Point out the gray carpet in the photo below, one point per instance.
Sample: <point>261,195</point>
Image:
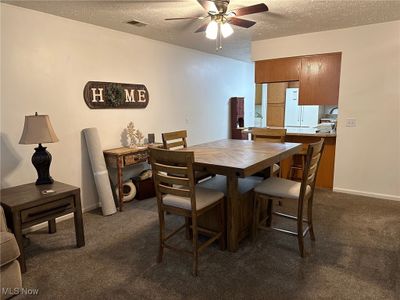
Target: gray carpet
<point>356,256</point>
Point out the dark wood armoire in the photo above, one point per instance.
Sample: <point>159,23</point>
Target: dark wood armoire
<point>237,118</point>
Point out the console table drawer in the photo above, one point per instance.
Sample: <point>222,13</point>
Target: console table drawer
<point>48,209</point>
<point>135,158</point>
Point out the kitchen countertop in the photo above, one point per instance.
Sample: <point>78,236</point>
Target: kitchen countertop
<point>299,131</point>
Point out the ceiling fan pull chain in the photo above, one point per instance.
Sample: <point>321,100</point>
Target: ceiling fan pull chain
<point>219,42</point>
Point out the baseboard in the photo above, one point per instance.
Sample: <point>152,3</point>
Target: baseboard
<point>91,207</point>
<point>367,194</point>
<point>59,219</point>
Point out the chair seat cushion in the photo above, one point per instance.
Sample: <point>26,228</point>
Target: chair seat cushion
<point>280,187</point>
<point>9,248</point>
<point>204,198</point>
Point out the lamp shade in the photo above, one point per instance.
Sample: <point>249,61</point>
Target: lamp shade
<point>226,30</point>
<point>212,30</point>
<point>38,130</point>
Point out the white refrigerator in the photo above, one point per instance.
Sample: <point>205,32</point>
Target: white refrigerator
<point>299,115</point>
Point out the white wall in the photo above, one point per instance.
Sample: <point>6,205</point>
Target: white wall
<point>46,62</point>
<point>368,156</point>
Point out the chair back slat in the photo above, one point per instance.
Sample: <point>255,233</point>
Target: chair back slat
<point>174,191</point>
<point>273,135</point>
<point>176,145</point>
<point>170,169</point>
<point>313,158</point>
<point>173,179</point>
<point>171,158</point>
<point>173,174</point>
<point>311,174</point>
<point>175,140</point>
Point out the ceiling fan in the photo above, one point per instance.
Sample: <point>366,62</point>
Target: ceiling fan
<point>221,18</point>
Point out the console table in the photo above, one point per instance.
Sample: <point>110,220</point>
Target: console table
<point>27,205</point>
<point>123,156</point>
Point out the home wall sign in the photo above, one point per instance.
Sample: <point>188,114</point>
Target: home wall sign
<point>98,95</point>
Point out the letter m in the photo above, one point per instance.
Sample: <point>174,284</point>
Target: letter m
<point>129,96</point>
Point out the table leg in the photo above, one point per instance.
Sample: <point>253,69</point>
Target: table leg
<point>17,229</point>
<point>52,226</point>
<point>233,216</point>
<point>120,183</point>
<point>78,220</point>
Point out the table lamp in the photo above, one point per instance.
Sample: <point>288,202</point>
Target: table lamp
<point>38,130</point>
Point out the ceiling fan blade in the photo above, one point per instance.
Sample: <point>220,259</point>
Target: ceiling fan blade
<point>187,18</point>
<point>202,28</point>
<point>208,5</point>
<point>241,22</point>
<point>248,10</point>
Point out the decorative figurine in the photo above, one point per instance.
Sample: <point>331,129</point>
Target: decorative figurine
<point>131,132</point>
<point>139,136</point>
<point>135,135</point>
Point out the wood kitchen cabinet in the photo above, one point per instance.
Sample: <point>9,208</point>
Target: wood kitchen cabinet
<point>276,95</point>
<point>277,70</point>
<point>259,95</point>
<point>276,92</point>
<point>276,115</point>
<point>318,76</point>
<point>319,79</point>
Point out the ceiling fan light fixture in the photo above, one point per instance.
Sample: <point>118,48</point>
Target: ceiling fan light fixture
<point>226,30</point>
<point>212,30</point>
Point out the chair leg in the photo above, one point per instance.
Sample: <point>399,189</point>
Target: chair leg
<point>269,213</point>
<point>162,228</point>
<point>256,217</point>
<point>300,241</point>
<point>291,173</point>
<point>309,218</point>
<point>222,239</point>
<point>188,232</point>
<point>195,247</point>
<point>300,238</point>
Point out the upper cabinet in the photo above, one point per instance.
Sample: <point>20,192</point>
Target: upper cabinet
<point>318,76</point>
<point>278,70</point>
<point>319,79</point>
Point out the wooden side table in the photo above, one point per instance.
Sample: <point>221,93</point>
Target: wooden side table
<point>123,156</point>
<point>26,205</point>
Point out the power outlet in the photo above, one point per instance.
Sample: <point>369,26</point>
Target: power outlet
<point>351,122</point>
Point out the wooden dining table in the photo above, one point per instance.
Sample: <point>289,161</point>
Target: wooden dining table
<point>238,159</point>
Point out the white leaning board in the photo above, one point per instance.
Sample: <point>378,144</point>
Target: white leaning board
<point>99,170</point>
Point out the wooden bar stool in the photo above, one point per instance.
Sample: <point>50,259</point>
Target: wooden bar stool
<point>280,189</point>
<point>178,195</point>
<point>177,140</point>
<point>298,165</point>
<point>272,135</point>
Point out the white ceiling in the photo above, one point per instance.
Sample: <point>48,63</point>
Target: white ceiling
<point>285,17</point>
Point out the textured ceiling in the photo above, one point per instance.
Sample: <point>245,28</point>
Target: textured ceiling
<point>285,17</point>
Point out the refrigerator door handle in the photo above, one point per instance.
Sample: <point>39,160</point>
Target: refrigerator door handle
<point>299,116</point>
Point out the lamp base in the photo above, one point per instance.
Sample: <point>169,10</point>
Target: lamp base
<point>41,160</point>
